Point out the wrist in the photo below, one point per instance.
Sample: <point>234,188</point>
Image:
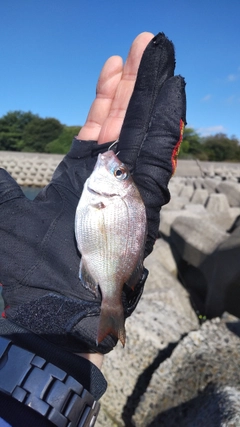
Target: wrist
<point>51,392</point>
<point>95,358</point>
<point>82,369</point>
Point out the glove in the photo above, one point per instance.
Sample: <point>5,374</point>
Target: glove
<point>39,260</point>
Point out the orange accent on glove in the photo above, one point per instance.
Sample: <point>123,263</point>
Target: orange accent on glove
<point>177,148</point>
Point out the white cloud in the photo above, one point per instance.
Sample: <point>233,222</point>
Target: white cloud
<point>206,98</point>
<point>231,99</point>
<point>232,77</point>
<point>211,130</point>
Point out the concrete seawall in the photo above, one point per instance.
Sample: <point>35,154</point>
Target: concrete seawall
<point>30,169</point>
<point>36,169</point>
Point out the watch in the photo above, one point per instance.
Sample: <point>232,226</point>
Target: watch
<point>45,388</point>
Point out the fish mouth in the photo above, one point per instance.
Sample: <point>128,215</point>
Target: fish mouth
<point>101,193</point>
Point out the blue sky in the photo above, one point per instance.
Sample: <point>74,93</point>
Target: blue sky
<point>53,50</point>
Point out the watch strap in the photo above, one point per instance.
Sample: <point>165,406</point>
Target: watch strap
<point>45,388</point>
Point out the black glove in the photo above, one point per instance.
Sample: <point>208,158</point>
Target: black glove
<point>39,260</point>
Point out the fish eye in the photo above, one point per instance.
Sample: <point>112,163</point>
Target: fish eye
<point>121,173</point>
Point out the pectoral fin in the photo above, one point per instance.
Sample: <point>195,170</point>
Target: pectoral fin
<point>86,278</point>
<point>136,275</point>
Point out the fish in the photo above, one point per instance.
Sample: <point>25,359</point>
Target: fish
<point>110,230</point>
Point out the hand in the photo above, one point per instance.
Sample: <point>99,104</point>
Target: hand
<point>39,260</point>
<point>114,89</point>
<point>150,136</point>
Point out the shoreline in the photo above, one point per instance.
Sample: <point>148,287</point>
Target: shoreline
<point>36,169</point>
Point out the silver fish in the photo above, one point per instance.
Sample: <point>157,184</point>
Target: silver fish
<point>110,229</point>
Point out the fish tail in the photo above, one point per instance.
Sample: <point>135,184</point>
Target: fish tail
<point>111,322</point>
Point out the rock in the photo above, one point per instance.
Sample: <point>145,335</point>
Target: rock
<point>208,356</point>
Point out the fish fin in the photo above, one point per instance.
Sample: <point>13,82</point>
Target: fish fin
<point>111,322</point>
<point>86,278</point>
<point>135,276</point>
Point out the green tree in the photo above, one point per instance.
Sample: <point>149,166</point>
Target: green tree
<point>62,144</point>
<point>12,126</point>
<point>191,146</point>
<point>221,148</point>
<point>39,132</point>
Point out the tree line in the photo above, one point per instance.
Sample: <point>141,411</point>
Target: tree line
<point>216,148</point>
<point>25,131</point>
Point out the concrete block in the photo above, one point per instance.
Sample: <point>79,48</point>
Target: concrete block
<point>176,203</point>
<point>188,168</point>
<point>195,239</point>
<point>187,191</point>
<point>210,355</point>
<point>176,186</point>
<point>190,180</point>
<point>198,182</point>
<point>200,195</point>
<point>196,208</point>
<point>235,215</point>
<point>161,253</point>
<point>217,203</point>
<point>167,217</point>
<point>232,191</point>
<point>218,405</point>
<point>223,220</point>
<point>222,274</point>
<point>210,184</point>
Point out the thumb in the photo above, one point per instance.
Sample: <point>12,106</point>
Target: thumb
<point>9,188</point>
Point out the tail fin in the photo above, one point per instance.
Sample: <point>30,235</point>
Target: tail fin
<point>111,322</point>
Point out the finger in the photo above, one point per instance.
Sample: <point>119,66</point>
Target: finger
<point>111,127</point>
<point>109,79</point>
<point>157,65</point>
